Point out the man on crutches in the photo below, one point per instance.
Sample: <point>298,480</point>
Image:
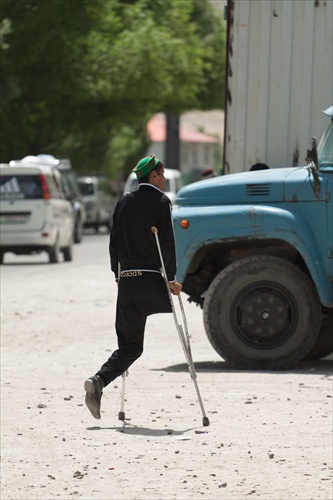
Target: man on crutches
<point>141,286</point>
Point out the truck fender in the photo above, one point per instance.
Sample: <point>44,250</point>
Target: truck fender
<point>262,222</point>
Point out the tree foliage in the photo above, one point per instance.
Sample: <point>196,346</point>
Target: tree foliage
<point>80,78</point>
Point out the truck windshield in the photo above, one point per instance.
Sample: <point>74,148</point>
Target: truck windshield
<point>325,149</point>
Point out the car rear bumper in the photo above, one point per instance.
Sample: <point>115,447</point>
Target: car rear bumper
<point>45,237</point>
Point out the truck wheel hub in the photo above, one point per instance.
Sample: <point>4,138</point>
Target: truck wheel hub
<point>263,316</point>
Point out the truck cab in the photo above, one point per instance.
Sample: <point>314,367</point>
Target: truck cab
<point>255,251</point>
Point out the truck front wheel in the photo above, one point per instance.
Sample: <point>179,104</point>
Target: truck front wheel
<point>324,343</point>
<point>262,312</point>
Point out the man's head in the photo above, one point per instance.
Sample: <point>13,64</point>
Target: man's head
<point>150,170</point>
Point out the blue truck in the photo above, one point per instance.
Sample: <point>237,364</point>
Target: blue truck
<point>255,251</point>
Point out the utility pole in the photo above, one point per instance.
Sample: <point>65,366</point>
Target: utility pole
<point>172,143</point>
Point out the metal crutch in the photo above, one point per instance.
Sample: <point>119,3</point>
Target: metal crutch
<point>184,340</point>
<point>121,414</point>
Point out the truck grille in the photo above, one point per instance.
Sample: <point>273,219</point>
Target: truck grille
<point>257,189</point>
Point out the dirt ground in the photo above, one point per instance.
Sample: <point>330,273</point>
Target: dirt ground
<point>270,433</point>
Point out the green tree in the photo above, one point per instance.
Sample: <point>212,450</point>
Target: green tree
<point>81,78</point>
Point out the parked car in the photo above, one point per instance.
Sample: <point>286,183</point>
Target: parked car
<point>173,184</point>
<point>72,192</point>
<point>98,199</point>
<point>34,213</point>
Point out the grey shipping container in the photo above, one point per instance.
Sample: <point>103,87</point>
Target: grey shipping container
<point>279,79</point>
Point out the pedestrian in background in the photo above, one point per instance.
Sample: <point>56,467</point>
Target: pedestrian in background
<point>208,173</point>
<point>136,264</point>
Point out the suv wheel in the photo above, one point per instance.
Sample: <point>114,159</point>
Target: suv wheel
<point>54,253</point>
<point>97,224</point>
<point>78,231</point>
<point>68,252</point>
<point>262,312</point>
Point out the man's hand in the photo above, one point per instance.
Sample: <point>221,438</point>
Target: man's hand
<point>175,287</point>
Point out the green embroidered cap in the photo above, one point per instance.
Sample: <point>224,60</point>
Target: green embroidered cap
<point>145,166</point>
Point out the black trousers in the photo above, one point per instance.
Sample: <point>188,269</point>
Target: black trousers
<point>140,294</point>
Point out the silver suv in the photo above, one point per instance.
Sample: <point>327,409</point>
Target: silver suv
<point>98,199</point>
<point>72,190</point>
<point>34,213</point>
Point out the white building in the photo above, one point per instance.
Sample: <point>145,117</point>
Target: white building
<point>198,151</point>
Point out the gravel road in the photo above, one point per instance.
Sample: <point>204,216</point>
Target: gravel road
<point>270,433</point>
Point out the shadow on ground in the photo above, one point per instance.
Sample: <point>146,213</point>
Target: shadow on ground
<point>318,367</point>
<point>128,428</point>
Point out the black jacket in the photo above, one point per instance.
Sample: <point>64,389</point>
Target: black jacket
<point>132,242</point>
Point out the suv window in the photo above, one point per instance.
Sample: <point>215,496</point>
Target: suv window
<point>86,188</point>
<point>133,185</point>
<point>72,190</point>
<point>21,187</point>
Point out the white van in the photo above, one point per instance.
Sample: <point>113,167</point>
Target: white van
<point>34,214</point>
<point>173,184</point>
<point>98,199</point>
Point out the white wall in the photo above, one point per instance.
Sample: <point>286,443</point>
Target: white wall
<point>280,79</point>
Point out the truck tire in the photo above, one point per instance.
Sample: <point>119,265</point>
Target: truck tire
<point>324,343</point>
<point>262,312</point>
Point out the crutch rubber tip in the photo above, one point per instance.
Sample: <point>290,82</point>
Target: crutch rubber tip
<point>121,415</point>
<point>205,421</point>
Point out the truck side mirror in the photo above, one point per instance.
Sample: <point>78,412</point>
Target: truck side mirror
<point>313,165</point>
<point>312,154</point>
